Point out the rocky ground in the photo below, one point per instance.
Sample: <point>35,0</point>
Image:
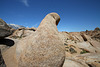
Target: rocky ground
<point>82,49</point>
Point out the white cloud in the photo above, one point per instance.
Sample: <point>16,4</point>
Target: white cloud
<point>36,25</point>
<point>25,2</point>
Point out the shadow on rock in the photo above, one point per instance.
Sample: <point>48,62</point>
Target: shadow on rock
<point>7,42</point>
<point>2,63</point>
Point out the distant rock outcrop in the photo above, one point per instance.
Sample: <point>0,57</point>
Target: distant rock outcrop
<point>5,30</point>
<point>95,34</point>
<point>97,29</point>
<point>14,26</point>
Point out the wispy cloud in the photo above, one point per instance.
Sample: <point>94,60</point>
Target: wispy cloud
<point>36,25</point>
<point>25,2</point>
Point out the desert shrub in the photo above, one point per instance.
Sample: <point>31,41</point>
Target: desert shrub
<point>72,50</point>
<point>65,44</point>
<point>84,51</point>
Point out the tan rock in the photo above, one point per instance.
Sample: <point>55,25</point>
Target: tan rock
<point>95,34</point>
<point>44,48</point>
<point>22,32</point>
<point>95,44</point>
<point>9,55</point>
<point>87,46</point>
<point>74,63</point>
<point>91,59</point>
<point>95,64</point>
<point>76,36</point>
<point>85,37</point>
<point>63,36</point>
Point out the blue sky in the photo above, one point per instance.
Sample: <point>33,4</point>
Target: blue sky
<point>76,15</point>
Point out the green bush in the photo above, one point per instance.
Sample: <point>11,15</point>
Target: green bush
<point>84,51</point>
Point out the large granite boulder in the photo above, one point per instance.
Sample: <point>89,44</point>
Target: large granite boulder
<point>5,30</point>
<point>43,48</point>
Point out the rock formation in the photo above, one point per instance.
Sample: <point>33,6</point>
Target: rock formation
<point>22,32</point>
<point>81,49</point>
<point>5,30</point>
<point>95,34</point>
<point>44,48</point>
<point>74,63</point>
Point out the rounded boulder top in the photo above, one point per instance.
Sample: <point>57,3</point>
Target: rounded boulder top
<point>55,16</point>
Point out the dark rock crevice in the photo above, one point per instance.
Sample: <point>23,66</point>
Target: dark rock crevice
<point>2,63</point>
<point>84,38</point>
<point>7,42</point>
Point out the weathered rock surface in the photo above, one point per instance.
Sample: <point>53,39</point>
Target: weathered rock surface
<point>83,60</point>
<point>74,63</point>
<point>22,32</point>
<point>91,59</point>
<point>9,53</point>
<point>95,34</point>
<point>9,57</point>
<point>81,49</point>
<point>43,48</point>
<point>5,30</point>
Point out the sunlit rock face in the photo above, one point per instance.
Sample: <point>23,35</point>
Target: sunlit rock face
<point>44,48</point>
